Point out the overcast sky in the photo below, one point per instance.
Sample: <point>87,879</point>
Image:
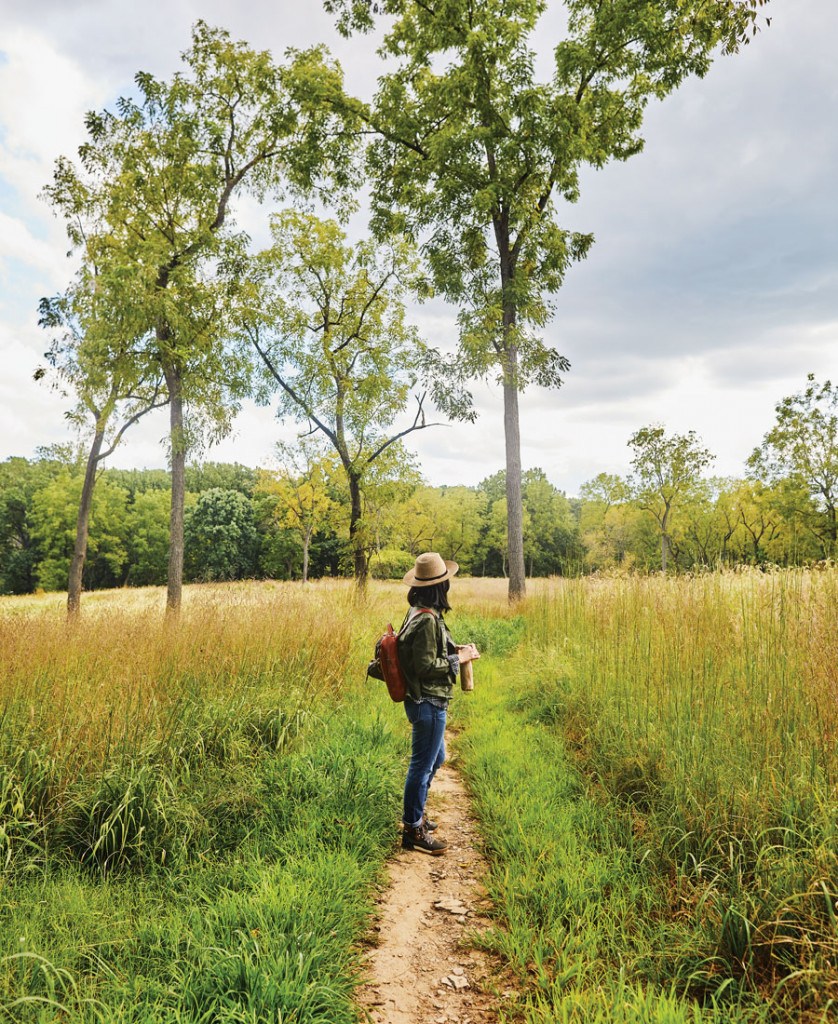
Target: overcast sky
<point>710,293</point>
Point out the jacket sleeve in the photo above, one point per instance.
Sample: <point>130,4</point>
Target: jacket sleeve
<point>427,662</point>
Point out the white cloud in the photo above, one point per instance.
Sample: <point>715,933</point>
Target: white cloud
<point>19,247</point>
<point>44,94</point>
<point>31,414</point>
<point>709,294</point>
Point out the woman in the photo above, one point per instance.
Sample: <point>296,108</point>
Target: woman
<point>430,662</point>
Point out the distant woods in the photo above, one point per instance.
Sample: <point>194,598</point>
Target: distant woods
<point>297,520</point>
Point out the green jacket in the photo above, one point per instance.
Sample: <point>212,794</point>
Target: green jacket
<point>423,647</point>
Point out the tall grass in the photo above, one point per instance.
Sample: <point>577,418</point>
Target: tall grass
<point>585,926</point>
<point>118,681</point>
<point>192,820</point>
<point>98,718</point>
<point>707,707</point>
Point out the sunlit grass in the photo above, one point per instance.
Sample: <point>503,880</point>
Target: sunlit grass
<point>192,819</point>
<point>705,708</point>
<point>655,766</point>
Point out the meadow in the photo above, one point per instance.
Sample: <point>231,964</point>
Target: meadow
<point>658,764</point>
<point>194,821</point>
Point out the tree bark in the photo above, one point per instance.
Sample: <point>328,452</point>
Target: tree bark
<point>359,556</point>
<point>511,418</point>
<point>74,581</point>
<point>514,497</point>
<point>177,439</point>
<point>306,543</point>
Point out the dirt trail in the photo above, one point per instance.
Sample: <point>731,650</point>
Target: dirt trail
<point>422,968</point>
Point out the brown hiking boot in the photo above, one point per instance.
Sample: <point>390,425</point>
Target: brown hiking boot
<point>419,839</point>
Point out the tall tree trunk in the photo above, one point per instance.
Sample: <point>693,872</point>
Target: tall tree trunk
<point>83,524</point>
<point>514,497</point>
<point>306,543</point>
<point>511,419</point>
<point>359,556</point>
<point>177,440</point>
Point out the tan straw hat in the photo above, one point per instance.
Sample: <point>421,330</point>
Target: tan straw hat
<point>430,569</point>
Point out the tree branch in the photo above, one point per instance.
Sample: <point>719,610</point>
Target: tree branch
<point>416,425</point>
<point>291,392</point>
<point>130,422</point>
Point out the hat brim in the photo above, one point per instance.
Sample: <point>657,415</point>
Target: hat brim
<point>451,569</point>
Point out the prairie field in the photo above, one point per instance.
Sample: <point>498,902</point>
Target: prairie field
<point>680,740</point>
<point>194,819</point>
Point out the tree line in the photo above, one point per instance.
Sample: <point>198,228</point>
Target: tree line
<point>298,520</point>
<point>467,158</point>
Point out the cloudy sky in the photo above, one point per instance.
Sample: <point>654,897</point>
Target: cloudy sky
<point>710,293</point>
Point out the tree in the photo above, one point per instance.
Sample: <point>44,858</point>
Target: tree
<point>496,536</point>
<point>605,520</point>
<point>803,445</point>
<point>221,538</point>
<point>759,518</point>
<point>301,492</point>
<point>474,154</point>
<point>102,359</point>
<point>229,476</point>
<point>701,526</point>
<point>328,323</point>
<point>54,515</point>
<point>418,521</point>
<point>148,538</point>
<point>666,470</point>
<point>388,485</point>
<point>445,519</point>
<point>551,541</point>
<point>161,173</point>
<point>141,481</point>
<point>20,480</point>
<point>461,513</point>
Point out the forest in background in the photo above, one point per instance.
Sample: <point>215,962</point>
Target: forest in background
<point>293,521</point>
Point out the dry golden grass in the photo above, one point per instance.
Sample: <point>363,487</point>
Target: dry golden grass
<point>119,679</point>
<point>728,678</point>
<point>718,655</point>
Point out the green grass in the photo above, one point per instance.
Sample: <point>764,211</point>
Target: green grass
<point>193,824</point>
<point>257,918</point>
<point>584,922</point>
<point>655,771</point>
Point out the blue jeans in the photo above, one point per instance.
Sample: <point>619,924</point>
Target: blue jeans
<point>427,754</point>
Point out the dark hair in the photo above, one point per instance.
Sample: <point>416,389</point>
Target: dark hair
<point>430,597</point>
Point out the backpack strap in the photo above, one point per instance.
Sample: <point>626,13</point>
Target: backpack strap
<point>418,611</point>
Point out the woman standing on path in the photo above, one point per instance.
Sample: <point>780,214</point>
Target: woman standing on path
<point>430,661</point>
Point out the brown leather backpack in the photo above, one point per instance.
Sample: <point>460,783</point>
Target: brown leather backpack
<point>385,665</point>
